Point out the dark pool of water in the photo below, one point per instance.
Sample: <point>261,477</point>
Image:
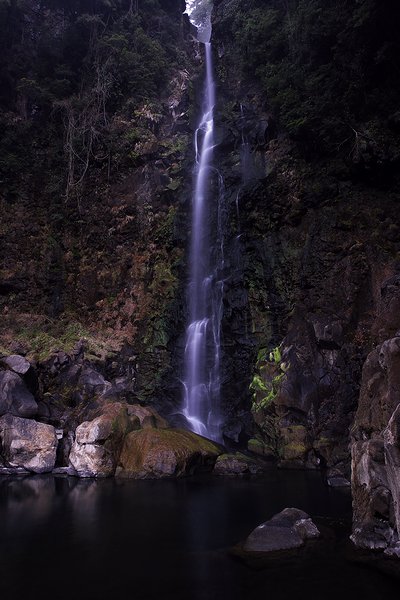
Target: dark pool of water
<point>147,540</point>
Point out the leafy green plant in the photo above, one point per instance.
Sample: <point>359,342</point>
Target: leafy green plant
<point>268,377</point>
<point>270,372</point>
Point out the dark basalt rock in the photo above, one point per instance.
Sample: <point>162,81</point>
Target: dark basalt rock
<point>15,398</point>
<point>376,452</point>
<point>16,363</point>
<point>73,387</point>
<point>28,444</point>
<point>20,365</point>
<point>287,530</point>
<point>237,464</point>
<point>391,437</point>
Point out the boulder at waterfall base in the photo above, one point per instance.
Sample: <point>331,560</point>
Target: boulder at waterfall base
<point>160,453</point>
<point>237,464</point>
<point>98,442</point>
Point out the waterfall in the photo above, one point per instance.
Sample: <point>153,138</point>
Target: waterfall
<point>206,261</point>
<point>245,153</point>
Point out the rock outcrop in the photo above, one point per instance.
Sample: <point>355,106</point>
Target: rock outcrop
<point>28,444</point>
<point>237,464</point>
<point>161,453</point>
<point>98,443</point>
<point>313,236</point>
<point>391,437</point>
<point>147,417</point>
<point>15,398</point>
<point>376,451</point>
<point>375,444</point>
<point>15,362</point>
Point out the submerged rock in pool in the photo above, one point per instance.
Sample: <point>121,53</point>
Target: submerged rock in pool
<point>287,530</point>
<point>28,444</point>
<point>236,464</point>
<point>159,453</point>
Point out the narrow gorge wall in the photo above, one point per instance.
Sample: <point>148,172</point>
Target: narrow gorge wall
<point>314,223</point>
<point>311,306</point>
<point>96,147</point>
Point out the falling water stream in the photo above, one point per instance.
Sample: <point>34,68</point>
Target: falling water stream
<point>203,335</point>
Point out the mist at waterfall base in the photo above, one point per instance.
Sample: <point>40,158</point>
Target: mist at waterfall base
<point>67,538</point>
<point>206,262</point>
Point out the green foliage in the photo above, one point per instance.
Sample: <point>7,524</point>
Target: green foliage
<point>275,356</point>
<point>67,69</point>
<point>270,373</point>
<point>164,281</point>
<point>324,65</point>
<point>175,146</point>
<point>267,380</point>
<point>58,336</point>
<point>174,184</point>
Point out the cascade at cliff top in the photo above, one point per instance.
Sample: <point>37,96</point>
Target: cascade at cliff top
<point>199,12</point>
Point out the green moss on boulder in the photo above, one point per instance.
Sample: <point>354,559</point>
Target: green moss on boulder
<point>161,453</point>
<point>295,443</point>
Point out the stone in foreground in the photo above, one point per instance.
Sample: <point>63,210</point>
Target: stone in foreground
<point>161,453</point>
<point>28,444</point>
<point>285,531</point>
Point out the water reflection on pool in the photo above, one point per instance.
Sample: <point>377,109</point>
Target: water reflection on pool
<point>146,540</point>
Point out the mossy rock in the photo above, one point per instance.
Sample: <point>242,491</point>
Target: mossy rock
<point>294,451</point>
<point>98,442</point>
<point>333,450</point>
<point>236,464</point>
<point>258,447</point>
<point>295,443</point>
<point>147,417</point>
<point>162,453</point>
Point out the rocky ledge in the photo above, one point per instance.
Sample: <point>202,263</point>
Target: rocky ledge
<point>63,416</point>
<point>111,444</point>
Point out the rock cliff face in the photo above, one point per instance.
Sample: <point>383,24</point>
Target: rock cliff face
<point>314,243</point>
<point>375,435</point>
<point>94,168</point>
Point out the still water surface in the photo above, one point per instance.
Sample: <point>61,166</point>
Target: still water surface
<point>145,540</point>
